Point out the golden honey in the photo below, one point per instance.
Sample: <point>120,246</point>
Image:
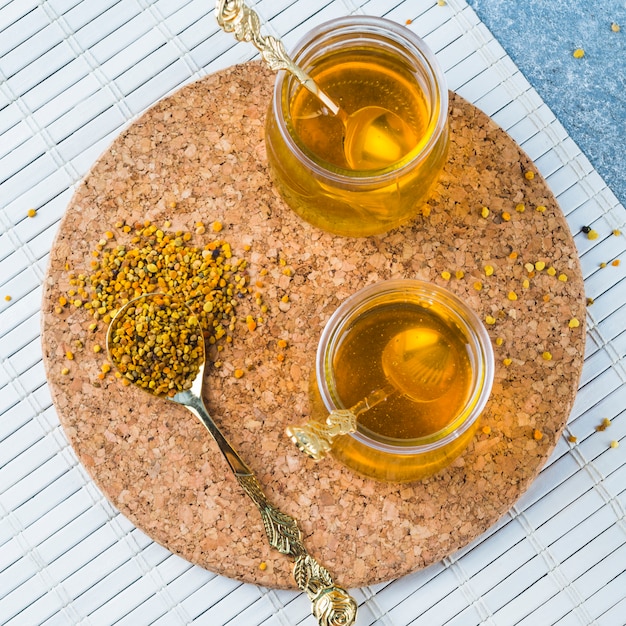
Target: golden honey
<point>365,174</point>
<point>419,426</point>
<point>359,370</point>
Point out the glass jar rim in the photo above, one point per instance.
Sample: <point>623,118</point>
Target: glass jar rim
<point>353,25</point>
<point>477,333</point>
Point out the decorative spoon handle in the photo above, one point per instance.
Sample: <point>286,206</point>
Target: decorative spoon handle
<point>234,16</point>
<point>315,438</point>
<point>331,604</point>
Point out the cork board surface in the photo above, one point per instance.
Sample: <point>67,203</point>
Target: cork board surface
<point>202,149</point>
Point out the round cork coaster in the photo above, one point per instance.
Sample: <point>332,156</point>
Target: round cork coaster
<point>198,156</point>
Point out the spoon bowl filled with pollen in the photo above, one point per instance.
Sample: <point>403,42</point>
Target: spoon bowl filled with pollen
<point>157,344</point>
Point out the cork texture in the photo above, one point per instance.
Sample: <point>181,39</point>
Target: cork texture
<point>202,148</point>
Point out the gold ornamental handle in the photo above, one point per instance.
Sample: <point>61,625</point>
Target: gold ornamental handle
<point>315,438</point>
<point>331,605</point>
<point>234,16</point>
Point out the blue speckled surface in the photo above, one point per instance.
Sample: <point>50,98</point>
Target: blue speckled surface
<point>587,95</point>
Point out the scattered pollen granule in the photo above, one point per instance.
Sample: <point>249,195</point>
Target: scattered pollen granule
<point>506,362</point>
<point>490,319</point>
<point>615,263</point>
<point>441,3</point>
<point>262,566</point>
<point>216,227</point>
<point>540,265</point>
<point>579,53</point>
<point>551,271</point>
<point>31,212</point>
<point>446,275</point>
<point>592,234</point>
<point>487,430</point>
<point>478,285</point>
<point>604,424</point>
<point>484,212</point>
<point>617,232</point>
<point>499,341</point>
<point>238,373</point>
<point>541,208</point>
<point>520,208</point>
<point>614,444</point>
<point>546,356</point>
<point>615,27</point>
<point>573,323</point>
<point>537,435</point>
<point>572,439</point>
<point>529,175</point>
<point>409,21</point>
<point>488,270</point>
<point>529,267</point>
<point>526,283</point>
<point>65,371</point>
<point>563,278</point>
<point>512,296</point>
<point>459,274</point>
<point>8,298</point>
<point>506,216</point>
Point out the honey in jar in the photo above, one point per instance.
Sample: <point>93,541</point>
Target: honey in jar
<point>358,174</point>
<point>424,362</point>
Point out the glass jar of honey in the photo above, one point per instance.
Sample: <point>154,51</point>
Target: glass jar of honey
<point>369,168</point>
<point>420,361</point>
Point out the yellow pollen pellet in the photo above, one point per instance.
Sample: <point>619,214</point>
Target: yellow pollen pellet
<point>484,212</point>
<point>65,371</point>
<point>499,341</point>
<point>490,319</point>
<point>105,367</point>
<point>615,27</point>
<point>507,362</point>
<point>572,439</point>
<point>513,255</point>
<point>512,296</point>
<point>31,212</point>
<point>487,430</point>
<point>8,298</point>
<point>529,267</point>
<point>238,373</point>
<point>262,566</point>
<point>615,263</point>
<point>281,343</point>
<point>551,271</point>
<point>563,278</point>
<point>579,53</point>
<point>592,234</point>
<point>546,356</point>
<point>97,348</point>
<point>506,216</point>
<point>69,355</point>
<point>526,283</point>
<point>441,3</point>
<point>478,285</point>
<point>445,275</point>
<point>617,232</point>
<point>520,208</point>
<point>459,274</point>
<point>216,227</point>
<point>546,297</point>
<point>529,175</point>
<point>573,323</point>
<point>614,444</point>
<point>540,265</point>
<point>603,264</point>
<point>488,270</point>
<point>540,208</point>
<point>537,435</point>
<point>285,298</point>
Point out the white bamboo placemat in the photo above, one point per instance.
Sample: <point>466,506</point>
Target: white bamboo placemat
<point>72,74</point>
